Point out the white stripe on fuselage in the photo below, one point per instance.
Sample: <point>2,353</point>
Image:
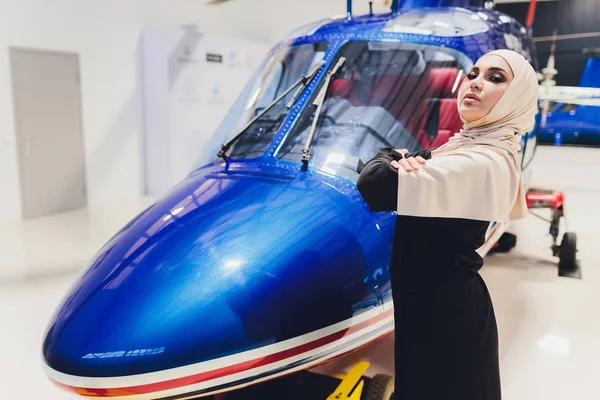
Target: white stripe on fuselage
<point>275,366</point>
<point>181,372</point>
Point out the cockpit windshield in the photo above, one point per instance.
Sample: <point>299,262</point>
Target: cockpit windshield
<point>280,72</point>
<point>393,94</point>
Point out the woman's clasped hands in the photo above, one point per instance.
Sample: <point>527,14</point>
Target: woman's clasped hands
<point>408,164</point>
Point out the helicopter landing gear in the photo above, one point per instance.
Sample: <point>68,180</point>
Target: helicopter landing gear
<point>566,251</point>
<point>505,244</point>
<point>380,387</point>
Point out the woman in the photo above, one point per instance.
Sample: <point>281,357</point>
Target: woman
<point>446,334</point>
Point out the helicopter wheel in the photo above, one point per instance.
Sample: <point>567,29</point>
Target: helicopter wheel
<point>505,244</point>
<point>380,387</point>
<point>567,255</point>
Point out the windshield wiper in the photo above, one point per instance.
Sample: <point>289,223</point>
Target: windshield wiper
<point>319,103</point>
<point>303,81</point>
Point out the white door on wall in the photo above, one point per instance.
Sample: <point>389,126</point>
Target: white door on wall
<point>48,121</point>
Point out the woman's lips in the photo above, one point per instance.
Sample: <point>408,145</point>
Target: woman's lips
<point>470,98</point>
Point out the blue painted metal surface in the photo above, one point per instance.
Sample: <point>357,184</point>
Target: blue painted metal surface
<point>225,260</point>
<point>591,73</point>
<point>407,4</point>
<point>241,255</point>
<point>572,124</point>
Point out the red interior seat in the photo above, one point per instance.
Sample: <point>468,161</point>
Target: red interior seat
<point>439,119</point>
<point>340,88</point>
<point>440,123</point>
<point>449,122</point>
<point>449,118</point>
<point>441,82</point>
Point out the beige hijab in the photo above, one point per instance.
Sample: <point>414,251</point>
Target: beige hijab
<point>477,174</point>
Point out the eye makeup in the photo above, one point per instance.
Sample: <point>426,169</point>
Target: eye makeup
<point>493,74</point>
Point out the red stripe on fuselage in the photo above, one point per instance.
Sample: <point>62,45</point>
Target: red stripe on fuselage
<point>228,370</point>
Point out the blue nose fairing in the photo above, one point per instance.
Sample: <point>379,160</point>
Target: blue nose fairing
<point>226,262</point>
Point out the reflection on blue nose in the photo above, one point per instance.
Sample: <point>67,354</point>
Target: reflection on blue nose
<point>222,264</point>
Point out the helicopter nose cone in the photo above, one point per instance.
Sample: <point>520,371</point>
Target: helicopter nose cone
<point>217,267</point>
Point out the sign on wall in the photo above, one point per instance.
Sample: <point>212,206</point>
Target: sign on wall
<point>190,80</point>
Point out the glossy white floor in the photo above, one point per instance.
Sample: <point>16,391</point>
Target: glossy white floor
<point>549,326</point>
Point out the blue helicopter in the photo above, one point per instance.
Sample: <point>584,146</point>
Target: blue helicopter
<point>573,119</point>
<point>268,261</point>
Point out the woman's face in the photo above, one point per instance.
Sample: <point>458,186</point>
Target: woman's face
<point>484,86</point>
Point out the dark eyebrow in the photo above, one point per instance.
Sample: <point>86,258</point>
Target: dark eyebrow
<point>497,69</point>
<point>494,69</point>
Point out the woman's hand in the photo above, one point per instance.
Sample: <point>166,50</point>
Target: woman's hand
<point>409,164</point>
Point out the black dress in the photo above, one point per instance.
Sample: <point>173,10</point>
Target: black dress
<point>446,336</point>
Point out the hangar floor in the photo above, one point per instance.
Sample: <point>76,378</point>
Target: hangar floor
<point>549,326</point>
